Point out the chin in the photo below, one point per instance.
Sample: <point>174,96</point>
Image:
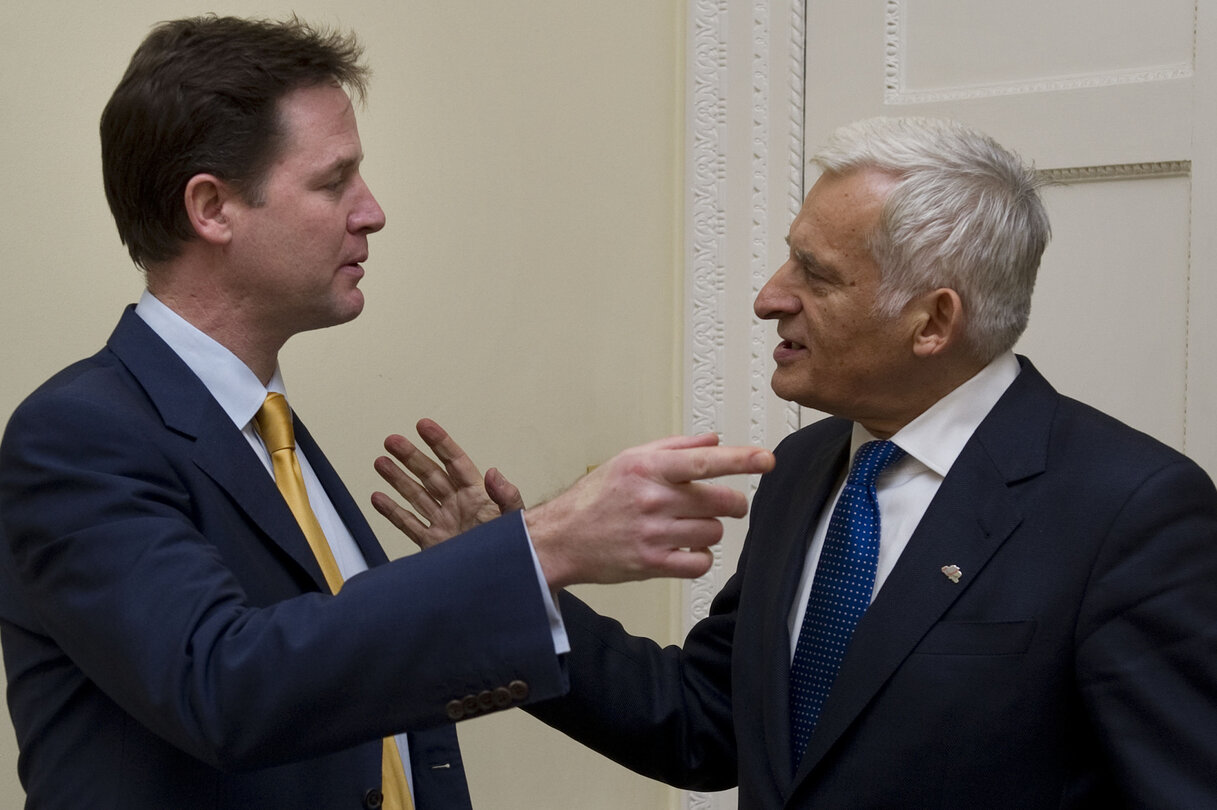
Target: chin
<point>786,388</point>
<point>334,316</point>
<point>799,394</point>
<point>350,309</point>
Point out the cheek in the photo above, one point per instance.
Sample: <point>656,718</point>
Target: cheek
<point>826,328</point>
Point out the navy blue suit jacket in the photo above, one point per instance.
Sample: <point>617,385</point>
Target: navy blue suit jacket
<point>167,636</point>
<point>1074,664</point>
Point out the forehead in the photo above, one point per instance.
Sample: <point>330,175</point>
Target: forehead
<point>318,124</point>
<point>841,211</point>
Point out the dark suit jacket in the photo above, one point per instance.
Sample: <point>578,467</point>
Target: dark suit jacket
<point>1074,665</point>
<point>167,638</point>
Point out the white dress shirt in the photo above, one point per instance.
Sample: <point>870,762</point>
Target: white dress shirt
<point>932,441</point>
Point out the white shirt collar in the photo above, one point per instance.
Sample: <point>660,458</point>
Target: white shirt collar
<point>937,436</point>
<point>232,383</point>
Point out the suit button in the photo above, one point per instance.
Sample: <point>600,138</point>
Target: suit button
<point>519,691</point>
<point>456,711</point>
<point>501,697</point>
<point>470,705</point>
<point>485,701</point>
<point>373,799</point>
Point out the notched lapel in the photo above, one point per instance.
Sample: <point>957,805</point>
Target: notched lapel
<point>220,451</point>
<point>226,457</point>
<point>786,544</point>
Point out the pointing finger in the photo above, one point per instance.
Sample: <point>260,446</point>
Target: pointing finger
<point>696,463</point>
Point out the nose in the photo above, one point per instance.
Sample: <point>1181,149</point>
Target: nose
<point>366,216</point>
<point>776,298</point>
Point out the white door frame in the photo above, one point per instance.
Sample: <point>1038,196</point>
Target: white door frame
<point>744,186</point>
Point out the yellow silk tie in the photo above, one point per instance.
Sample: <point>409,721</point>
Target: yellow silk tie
<point>274,424</point>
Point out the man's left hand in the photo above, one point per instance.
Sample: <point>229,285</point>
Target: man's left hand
<point>445,500</point>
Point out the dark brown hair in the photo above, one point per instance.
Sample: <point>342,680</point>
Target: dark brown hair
<point>201,96</point>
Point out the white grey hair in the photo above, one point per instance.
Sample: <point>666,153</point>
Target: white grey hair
<point>965,214</point>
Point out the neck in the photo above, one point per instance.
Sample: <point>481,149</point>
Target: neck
<point>225,321</point>
<point>919,395</point>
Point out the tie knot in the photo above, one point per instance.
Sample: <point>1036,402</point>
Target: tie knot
<point>274,424</point>
<point>870,460</point>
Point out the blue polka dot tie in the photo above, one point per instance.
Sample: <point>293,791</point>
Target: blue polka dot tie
<point>840,592</point>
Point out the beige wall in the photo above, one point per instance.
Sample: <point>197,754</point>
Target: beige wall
<point>525,290</point>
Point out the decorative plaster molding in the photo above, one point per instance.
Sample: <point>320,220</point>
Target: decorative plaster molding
<point>758,260</point>
<point>796,154</point>
<point>766,107</point>
<point>708,224</point>
<point>1119,171</point>
<point>896,92</point>
<point>707,238</point>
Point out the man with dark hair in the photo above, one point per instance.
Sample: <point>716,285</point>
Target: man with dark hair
<point>1008,601</point>
<point>194,614</point>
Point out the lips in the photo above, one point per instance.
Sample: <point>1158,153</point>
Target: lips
<point>789,343</point>
<point>788,350</point>
<point>354,265</point>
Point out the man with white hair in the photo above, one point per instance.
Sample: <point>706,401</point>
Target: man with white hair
<point>1010,601</point>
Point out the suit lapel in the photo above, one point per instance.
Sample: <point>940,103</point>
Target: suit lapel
<point>220,450</point>
<point>972,514</point>
<point>788,548</point>
<point>344,504</point>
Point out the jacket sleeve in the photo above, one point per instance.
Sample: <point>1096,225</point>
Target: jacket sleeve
<point>1146,653</point>
<point>663,712</point>
<point>115,573</point>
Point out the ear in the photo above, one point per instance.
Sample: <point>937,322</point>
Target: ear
<point>207,203</point>
<point>939,322</point>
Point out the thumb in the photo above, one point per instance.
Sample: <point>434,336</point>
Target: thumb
<point>503,492</point>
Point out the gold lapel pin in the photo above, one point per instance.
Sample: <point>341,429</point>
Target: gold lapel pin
<point>952,573</point>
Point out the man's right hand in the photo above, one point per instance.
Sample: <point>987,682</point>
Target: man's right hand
<point>644,513</point>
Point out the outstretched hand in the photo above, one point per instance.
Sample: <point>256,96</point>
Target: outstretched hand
<point>644,513</point>
<point>445,500</point>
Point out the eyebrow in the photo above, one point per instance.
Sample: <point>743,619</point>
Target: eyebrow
<point>806,259</point>
<point>344,165</point>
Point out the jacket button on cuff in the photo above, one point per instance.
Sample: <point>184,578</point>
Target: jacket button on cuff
<point>519,691</point>
<point>456,711</point>
<point>485,701</point>
<point>373,799</point>
<point>470,704</point>
<point>502,697</point>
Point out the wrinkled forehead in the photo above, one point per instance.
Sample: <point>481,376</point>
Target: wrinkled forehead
<point>843,209</point>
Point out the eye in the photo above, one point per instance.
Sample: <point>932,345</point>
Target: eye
<point>337,181</point>
<point>808,271</point>
<point>815,281</point>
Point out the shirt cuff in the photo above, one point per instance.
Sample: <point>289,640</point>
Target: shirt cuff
<point>557,628</point>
